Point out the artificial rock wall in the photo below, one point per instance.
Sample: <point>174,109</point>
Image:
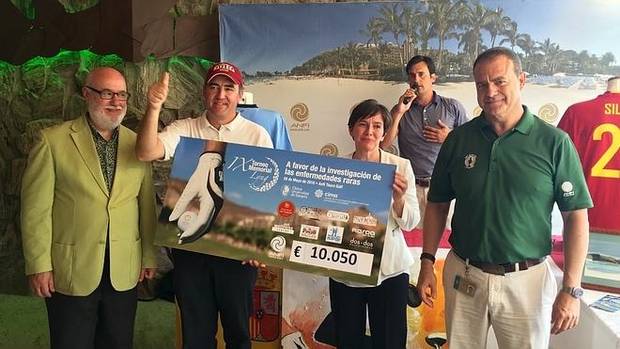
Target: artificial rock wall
<point>46,91</point>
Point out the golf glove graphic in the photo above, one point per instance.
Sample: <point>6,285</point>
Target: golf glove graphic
<point>205,183</point>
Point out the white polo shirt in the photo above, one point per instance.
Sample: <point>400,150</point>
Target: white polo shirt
<point>240,130</point>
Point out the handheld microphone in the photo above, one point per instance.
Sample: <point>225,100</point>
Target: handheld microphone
<point>407,99</point>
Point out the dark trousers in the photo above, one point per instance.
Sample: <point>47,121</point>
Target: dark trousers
<point>103,319</point>
<point>387,313</point>
<point>206,285</point>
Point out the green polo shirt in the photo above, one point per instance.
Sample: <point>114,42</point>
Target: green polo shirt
<point>505,187</point>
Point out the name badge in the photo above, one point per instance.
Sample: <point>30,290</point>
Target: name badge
<point>464,286</point>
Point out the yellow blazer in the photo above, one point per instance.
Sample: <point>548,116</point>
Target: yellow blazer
<point>66,211</point>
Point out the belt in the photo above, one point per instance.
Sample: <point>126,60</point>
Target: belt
<point>423,182</point>
<point>504,268</point>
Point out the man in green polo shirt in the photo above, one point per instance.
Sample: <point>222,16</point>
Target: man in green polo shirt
<point>505,169</point>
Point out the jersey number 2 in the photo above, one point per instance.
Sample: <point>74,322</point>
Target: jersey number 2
<point>599,170</point>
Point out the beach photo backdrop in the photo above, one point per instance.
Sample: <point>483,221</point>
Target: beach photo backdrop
<point>314,62</point>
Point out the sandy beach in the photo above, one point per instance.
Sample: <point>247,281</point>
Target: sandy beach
<point>329,101</point>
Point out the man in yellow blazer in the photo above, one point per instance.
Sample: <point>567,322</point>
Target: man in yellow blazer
<point>88,221</point>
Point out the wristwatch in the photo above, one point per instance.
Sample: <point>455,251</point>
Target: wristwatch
<point>426,255</point>
<point>576,292</point>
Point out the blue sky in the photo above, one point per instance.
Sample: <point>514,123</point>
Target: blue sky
<point>186,157</point>
<point>280,37</point>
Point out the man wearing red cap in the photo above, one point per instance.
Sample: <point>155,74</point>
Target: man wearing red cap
<point>206,285</point>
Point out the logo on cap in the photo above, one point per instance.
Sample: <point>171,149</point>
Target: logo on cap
<point>226,69</point>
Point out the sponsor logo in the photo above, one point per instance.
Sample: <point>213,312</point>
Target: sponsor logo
<point>309,212</point>
<point>364,232</point>
<point>300,114</point>
<point>283,228</point>
<point>334,234</point>
<point>359,243</point>
<point>329,195</point>
<point>329,149</point>
<point>365,220</point>
<point>470,161</point>
<point>318,193</point>
<point>286,208</point>
<point>278,243</point>
<point>567,188</point>
<point>338,216</point>
<point>224,66</point>
<point>549,113</point>
<point>263,175</point>
<point>309,232</point>
<point>286,190</point>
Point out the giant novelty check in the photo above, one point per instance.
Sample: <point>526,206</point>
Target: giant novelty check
<point>294,210</point>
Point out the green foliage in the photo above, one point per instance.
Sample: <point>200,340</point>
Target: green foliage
<point>71,6</point>
<point>74,6</point>
<point>204,63</point>
<point>25,7</point>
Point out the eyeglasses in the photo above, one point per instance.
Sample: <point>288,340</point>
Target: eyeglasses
<point>107,94</point>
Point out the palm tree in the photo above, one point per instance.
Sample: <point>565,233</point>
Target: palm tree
<point>551,52</point>
<point>409,22</point>
<point>536,63</point>
<point>595,63</point>
<point>444,15</point>
<point>528,46</point>
<point>583,58</point>
<point>569,59</point>
<point>352,57</point>
<point>425,31</point>
<point>497,24</point>
<point>471,44</point>
<point>373,32</point>
<point>473,19</point>
<point>391,22</point>
<point>607,59</point>
<point>511,35</point>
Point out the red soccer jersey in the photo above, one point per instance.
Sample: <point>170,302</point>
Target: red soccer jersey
<point>594,127</point>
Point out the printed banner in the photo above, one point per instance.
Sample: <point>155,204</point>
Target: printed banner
<point>306,212</point>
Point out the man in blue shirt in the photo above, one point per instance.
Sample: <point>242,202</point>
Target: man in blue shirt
<point>422,120</point>
<point>272,121</point>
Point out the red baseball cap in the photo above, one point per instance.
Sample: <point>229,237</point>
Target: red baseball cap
<point>227,69</point>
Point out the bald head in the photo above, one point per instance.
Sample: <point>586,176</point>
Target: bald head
<point>103,74</point>
<point>103,91</point>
